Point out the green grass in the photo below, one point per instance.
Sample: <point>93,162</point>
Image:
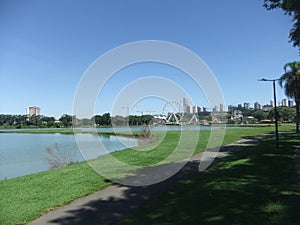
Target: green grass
<point>26,198</point>
<point>253,186</point>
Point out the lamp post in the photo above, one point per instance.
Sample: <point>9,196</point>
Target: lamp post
<point>275,107</point>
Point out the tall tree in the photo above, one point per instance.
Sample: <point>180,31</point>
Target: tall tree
<point>290,80</point>
<point>66,120</point>
<point>292,8</point>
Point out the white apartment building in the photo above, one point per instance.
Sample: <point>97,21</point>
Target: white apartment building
<point>33,110</point>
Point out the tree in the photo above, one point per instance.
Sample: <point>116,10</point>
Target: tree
<point>291,8</point>
<point>260,115</point>
<point>284,114</point>
<point>49,121</point>
<point>104,120</point>
<point>66,120</point>
<point>290,80</point>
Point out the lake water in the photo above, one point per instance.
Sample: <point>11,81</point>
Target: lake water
<point>22,154</point>
<point>25,153</point>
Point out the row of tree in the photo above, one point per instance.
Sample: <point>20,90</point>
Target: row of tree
<point>23,121</point>
<point>285,114</point>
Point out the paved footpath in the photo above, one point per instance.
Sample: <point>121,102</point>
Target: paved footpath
<point>112,204</point>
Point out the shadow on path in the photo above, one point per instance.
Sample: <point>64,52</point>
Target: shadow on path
<point>112,204</point>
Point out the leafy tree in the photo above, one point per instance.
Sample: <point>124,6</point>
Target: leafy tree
<point>66,120</point>
<point>139,120</point>
<point>49,121</point>
<point>102,120</point>
<point>290,80</point>
<point>291,8</point>
<point>106,119</point>
<point>260,115</point>
<point>284,114</point>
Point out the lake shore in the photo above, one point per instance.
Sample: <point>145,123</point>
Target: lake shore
<point>28,197</point>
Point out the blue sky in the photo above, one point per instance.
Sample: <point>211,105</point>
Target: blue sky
<point>46,46</point>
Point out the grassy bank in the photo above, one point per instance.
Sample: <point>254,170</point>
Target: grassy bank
<point>254,186</point>
<point>25,198</point>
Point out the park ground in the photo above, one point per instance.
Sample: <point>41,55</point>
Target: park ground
<point>255,185</point>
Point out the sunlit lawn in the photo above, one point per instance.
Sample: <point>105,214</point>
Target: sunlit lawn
<point>253,186</point>
<point>25,198</point>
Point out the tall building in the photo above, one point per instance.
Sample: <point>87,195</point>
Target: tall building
<point>230,108</point>
<point>222,108</point>
<point>247,105</point>
<point>272,103</point>
<point>267,108</point>
<point>216,108</point>
<point>33,111</point>
<point>291,103</point>
<point>185,104</point>
<point>195,109</point>
<point>285,102</point>
<point>257,106</point>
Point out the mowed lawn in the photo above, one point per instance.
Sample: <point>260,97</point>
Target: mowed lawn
<point>254,186</point>
<point>25,198</point>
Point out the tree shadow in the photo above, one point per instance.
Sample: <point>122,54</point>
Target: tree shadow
<point>252,186</point>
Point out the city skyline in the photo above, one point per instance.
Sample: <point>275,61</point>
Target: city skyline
<point>186,108</point>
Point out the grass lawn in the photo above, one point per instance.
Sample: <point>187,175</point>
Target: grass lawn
<point>254,186</point>
<point>26,198</point>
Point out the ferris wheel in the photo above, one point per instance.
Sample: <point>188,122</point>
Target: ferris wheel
<point>173,112</point>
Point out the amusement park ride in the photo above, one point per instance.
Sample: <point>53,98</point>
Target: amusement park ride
<point>174,114</point>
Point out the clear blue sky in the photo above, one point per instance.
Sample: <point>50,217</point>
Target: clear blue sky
<point>46,46</point>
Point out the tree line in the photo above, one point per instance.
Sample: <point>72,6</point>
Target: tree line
<point>25,121</point>
<point>67,121</point>
<point>285,114</point>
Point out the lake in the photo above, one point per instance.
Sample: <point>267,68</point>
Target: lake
<point>24,153</point>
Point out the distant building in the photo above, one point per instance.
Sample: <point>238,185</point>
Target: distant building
<point>222,108</point>
<point>291,103</point>
<point>285,102</point>
<point>267,108</point>
<point>196,109</point>
<point>33,111</point>
<point>237,114</point>
<point>186,107</point>
<point>247,105</point>
<point>272,103</point>
<point>230,108</point>
<point>216,109</point>
<point>257,106</point>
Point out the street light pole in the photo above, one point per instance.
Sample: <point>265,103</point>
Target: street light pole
<point>276,115</point>
<point>275,107</point>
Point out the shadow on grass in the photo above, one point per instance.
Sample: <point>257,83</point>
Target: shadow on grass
<point>253,186</point>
